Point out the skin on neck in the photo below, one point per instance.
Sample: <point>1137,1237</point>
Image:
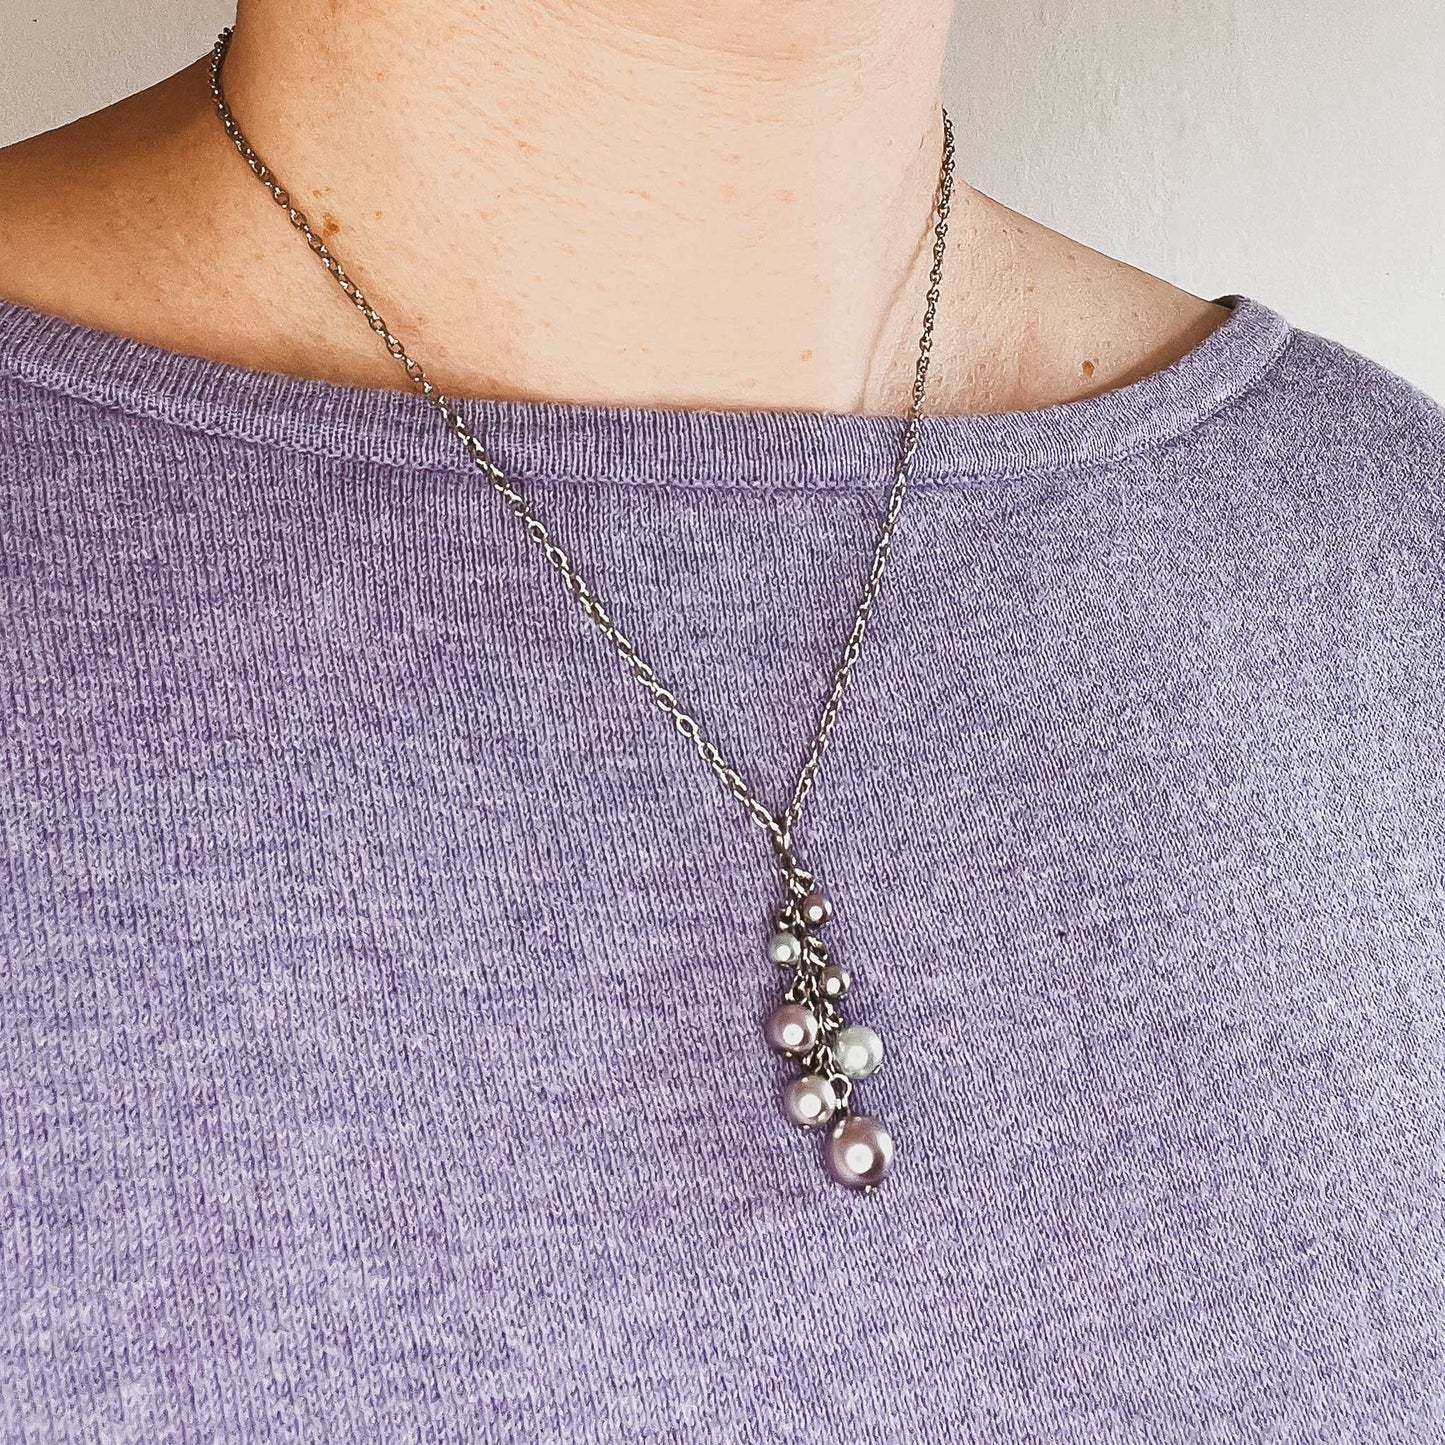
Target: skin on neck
<point>642,202</point>
<point>703,204</point>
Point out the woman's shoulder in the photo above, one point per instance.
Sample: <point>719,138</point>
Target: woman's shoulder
<point>124,223</point>
<point>1349,400</point>
<point>80,203</point>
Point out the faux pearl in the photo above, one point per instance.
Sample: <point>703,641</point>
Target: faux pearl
<point>815,909</point>
<point>785,949</point>
<point>833,981</point>
<point>858,1051</point>
<point>810,1101</point>
<point>791,1029</point>
<point>860,1152</point>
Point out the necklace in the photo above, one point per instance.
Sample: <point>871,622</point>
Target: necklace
<point>807,1025</point>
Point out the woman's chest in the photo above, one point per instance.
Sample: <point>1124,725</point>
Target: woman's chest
<point>387,973</point>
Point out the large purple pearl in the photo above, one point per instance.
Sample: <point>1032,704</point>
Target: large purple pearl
<point>791,1029</point>
<point>860,1152</point>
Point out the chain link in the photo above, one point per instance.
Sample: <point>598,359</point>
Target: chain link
<point>778,827</point>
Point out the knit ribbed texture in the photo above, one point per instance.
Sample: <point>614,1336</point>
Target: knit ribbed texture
<point>381,976</point>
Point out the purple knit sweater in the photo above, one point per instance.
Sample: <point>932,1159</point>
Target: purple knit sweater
<point>381,976</point>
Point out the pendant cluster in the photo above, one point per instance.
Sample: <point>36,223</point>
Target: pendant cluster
<point>808,1027</point>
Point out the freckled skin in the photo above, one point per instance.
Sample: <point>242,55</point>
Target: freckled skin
<point>782,217</point>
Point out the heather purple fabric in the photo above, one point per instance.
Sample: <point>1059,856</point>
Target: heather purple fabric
<point>381,977</point>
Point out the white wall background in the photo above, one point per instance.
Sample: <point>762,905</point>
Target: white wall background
<point>1290,149</point>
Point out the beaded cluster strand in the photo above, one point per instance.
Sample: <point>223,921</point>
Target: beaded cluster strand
<point>808,1027</point>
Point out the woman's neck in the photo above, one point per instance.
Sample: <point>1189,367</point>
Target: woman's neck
<point>695,205</point>
<point>667,205</point>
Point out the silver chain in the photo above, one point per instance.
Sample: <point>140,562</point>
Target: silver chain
<point>779,827</point>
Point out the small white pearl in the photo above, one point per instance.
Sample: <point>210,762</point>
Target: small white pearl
<point>858,1050</point>
<point>784,948</point>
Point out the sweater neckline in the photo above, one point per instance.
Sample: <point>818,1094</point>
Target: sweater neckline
<point>695,446</point>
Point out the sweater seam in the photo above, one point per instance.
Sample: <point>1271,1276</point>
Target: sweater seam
<point>1267,364</point>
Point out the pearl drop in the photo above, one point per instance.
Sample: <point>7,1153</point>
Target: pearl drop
<point>791,1029</point>
<point>833,981</point>
<point>860,1152</point>
<point>785,949</point>
<point>810,1101</point>
<point>858,1050</point>
<point>815,909</point>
